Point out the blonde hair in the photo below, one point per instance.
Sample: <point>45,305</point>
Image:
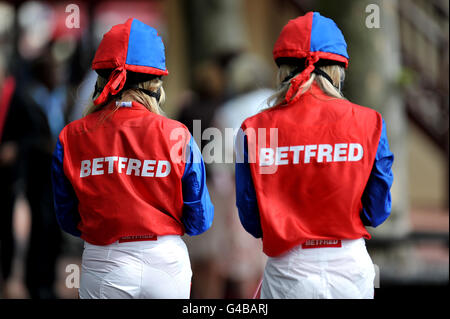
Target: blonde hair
<point>132,95</point>
<point>336,73</point>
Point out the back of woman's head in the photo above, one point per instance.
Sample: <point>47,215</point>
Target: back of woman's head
<point>136,89</point>
<point>287,72</point>
<point>130,62</point>
<point>309,49</point>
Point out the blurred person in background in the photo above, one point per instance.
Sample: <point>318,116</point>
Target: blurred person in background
<point>9,148</point>
<point>241,261</point>
<point>248,86</point>
<point>311,200</point>
<point>28,138</point>
<point>131,219</point>
<point>46,93</point>
<point>200,104</point>
<point>35,117</point>
<point>207,94</point>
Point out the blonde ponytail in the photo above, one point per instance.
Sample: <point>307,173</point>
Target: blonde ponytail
<point>336,73</point>
<point>133,95</point>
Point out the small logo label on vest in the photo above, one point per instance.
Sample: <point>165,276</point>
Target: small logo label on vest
<point>126,239</point>
<point>321,243</point>
<point>124,104</point>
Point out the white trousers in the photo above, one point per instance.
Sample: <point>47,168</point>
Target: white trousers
<point>345,272</point>
<point>157,269</point>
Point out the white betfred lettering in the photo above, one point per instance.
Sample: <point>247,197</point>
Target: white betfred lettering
<point>148,168</point>
<point>129,166</point>
<point>133,165</point>
<point>97,166</point>
<point>266,156</point>
<point>309,152</point>
<point>339,152</point>
<point>163,169</point>
<point>85,168</point>
<point>296,150</point>
<point>352,157</point>
<point>322,153</point>
<point>281,156</point>
<point>122,163</point>
<point>111,160</point>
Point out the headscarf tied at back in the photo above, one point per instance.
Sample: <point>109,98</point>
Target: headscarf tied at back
<point>131,46</point>
<point>309,38</point>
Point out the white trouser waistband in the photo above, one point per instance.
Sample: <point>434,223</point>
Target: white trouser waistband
<point>325,272</point>
<point>138,269</point>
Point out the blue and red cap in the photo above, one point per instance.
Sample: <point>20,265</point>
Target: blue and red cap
<point>131,46</point>
<point>311,37</point>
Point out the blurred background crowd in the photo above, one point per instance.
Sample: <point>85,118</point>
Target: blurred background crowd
<point>219,55</point>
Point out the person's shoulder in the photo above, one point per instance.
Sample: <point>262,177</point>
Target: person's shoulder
<point>167,122</point>
<point>367,115</point>
<point>77,126</point>
<point>73,125</point>
<point>163,126</point>
<point>360,109</point>
<point>264,116</point>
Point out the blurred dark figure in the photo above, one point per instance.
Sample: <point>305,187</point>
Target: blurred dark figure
<point>46,98</point>
<point>207,95</point>
<point>10,138</point>
<point>248,82</point>
<point>32,121</point>
<point>201,103</point>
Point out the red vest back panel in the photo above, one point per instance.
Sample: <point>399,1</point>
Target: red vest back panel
<point>126,172</point>
<point>310,182</point>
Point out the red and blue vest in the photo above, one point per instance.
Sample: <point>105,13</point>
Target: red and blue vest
<point>126,169</point>
<point>309,179</point>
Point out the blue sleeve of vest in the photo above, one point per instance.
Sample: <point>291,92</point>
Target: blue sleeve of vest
<point>246,200</point>
<point>198,211</point>
<point>376,199</point>
<point>65,199</point>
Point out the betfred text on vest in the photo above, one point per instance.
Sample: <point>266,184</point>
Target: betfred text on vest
<point>124,165</point>
<point>304,154</point>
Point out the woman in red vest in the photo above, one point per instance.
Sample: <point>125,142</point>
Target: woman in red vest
<point>313,170</point>
<point>128,180</point>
